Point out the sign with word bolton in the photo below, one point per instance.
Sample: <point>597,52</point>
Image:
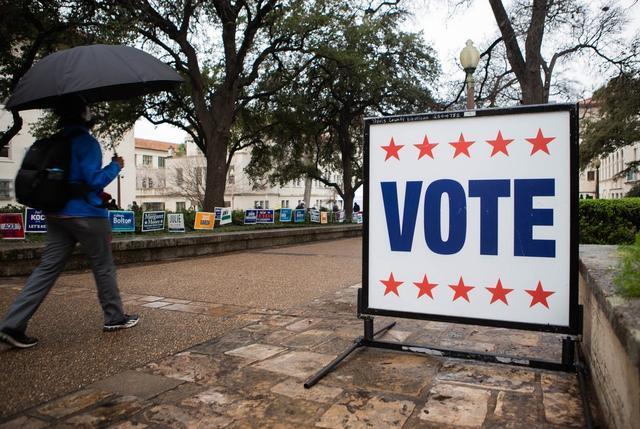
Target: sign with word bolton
<point>122,221</point>
<point>471,217</point>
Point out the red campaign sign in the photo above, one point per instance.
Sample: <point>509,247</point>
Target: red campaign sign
<point>11,226</point>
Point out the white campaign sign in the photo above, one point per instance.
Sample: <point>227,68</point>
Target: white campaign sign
<point>470,217</point>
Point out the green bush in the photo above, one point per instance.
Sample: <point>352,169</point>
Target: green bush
<point>11,208</point>
<point>627,279</point>
<point>609,221</point>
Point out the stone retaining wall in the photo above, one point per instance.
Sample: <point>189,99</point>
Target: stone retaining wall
<point>17,259</point>
<point>611,341</point>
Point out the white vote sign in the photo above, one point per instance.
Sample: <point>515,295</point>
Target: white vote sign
<point>470,217</point>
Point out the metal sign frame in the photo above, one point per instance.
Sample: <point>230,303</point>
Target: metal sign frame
<point>363,305</point>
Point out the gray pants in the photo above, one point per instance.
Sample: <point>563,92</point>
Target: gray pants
<point>94,235</point>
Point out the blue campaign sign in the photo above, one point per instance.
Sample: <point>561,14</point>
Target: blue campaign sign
<point>217,211</point>
<point>35,221</point>
<point>122,221</point>
<point>250,216</point>
<point>266,216</point>
<point>153,221</point>
<point>285,215</point>
<point>298,215</point>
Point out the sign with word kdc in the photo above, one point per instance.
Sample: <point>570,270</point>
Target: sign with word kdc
<point>153,221</point>
<point>35,221</point>
<point>204,220</point>
<point>471,217</point>
<point>11,226</point>
<point>122,221</point>
<point>175,222</point>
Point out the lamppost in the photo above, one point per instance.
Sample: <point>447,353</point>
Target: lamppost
<point>469,58</point>
<point>596,164</point>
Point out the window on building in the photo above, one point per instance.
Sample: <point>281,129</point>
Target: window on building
<point>591,176</point>
<point>181,206</point>
<point>4,151</point>
<point>161,163</point>
<point>147,160</point>
<point>284,204</point>
<point>198,173</point>
<point>150,182</point>
<point>179,177</point>
<point>266,204</point>
<point>154,206</point>
<point>5,189</point>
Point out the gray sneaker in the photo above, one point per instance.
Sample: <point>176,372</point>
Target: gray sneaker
<point>129,321</point>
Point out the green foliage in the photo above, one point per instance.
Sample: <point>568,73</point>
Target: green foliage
<point>11,208</point>
<point>627,279</point>
<point>609,221</point>
<point>634,191</point>
<point>618,120</point>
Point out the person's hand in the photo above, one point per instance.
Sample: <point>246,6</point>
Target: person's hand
<point>118,160</point>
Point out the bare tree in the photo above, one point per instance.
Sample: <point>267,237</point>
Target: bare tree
<point>536,36</point>
<point>186,177</point>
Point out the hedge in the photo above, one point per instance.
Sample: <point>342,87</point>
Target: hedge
<point>609,221</point>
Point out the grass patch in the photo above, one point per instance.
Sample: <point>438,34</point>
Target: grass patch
<point>627,280</point>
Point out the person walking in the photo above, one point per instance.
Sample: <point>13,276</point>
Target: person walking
<point>83,220</point>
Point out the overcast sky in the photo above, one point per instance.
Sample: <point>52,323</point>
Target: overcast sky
<point>447,34</point>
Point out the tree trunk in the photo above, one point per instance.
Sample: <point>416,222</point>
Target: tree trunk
<point>308,182</point>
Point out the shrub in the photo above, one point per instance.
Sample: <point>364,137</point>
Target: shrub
<point>609,221</point>
<point>627,279</point>
<point>11,208</point>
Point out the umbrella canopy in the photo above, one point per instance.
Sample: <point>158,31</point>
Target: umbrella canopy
<point>96,72</point>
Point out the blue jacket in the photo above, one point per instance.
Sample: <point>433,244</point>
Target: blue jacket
<point>86,167</point>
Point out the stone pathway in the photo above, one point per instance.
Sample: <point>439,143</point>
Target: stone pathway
<point>252,377</point>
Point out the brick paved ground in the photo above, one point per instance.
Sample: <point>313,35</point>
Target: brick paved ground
<point>251,373</point>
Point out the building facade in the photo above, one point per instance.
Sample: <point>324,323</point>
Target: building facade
<point>122,189</point>
<point>609,176</point>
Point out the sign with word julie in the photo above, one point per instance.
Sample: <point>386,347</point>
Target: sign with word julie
<point>153,221</point>
<point>175,222</point>
<point>35,221</point>
<point>339,216</point>
<point>314,216</point>
<point>11,226</point>
<point>298,215</point>
<point>266,216</point>
<point>470,217</point>
<point>285,215</point>
<point>324,217</point>
<point>217,211</point>
<point>225,216</point>
<point>122,221</point>
<point>204,220</point>
<point>250,216</point>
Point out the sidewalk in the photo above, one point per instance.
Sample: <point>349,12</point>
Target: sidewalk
<point>250,372</point>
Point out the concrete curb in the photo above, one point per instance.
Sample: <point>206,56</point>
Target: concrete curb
<point>20,259</point>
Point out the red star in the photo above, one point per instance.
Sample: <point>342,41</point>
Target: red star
<point>392,150</point>
<point>426,148</point>
<point>462,146</point>
<point>391,285</point>
<point>499,293</point>
<point>539,295</point>
<point>499,144</point>
<point>461,291</point>
<point>540,142</point>
<point>425,287</point>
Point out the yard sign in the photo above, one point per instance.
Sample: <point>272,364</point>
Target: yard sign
<point>471,217</point>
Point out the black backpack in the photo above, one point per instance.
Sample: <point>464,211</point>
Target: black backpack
<point>42,181</point>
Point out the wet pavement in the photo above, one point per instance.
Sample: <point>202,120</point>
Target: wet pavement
<point>204,357</point>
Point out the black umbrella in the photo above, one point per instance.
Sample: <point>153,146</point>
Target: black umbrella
<point>96,72</point>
